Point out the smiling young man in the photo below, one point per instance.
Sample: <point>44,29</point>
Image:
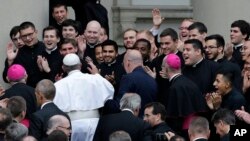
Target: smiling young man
<point>27,55</point>
<point>239,32</point>
<point>110,68</point>
<point>50,62</point>
<point>200,70</point>
<point>214,49</point>
<point>232,99</point>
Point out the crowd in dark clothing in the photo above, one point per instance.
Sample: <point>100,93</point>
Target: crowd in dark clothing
<point>160,87</point>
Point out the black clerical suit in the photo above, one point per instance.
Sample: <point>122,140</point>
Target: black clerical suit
<point>184,99</point>
<point>54,59</point>
<point>25,91</point>
<point>202,74</point>
<point>39,120</point>
<point>125,121</point>
<point>27,57</point>
<point>117,69</point>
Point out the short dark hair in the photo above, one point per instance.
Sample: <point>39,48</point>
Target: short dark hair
<point>51,28</point>
<point>57,135</point>
<point>224,115</point>
<point>145,41</point>
<point>14,30</point>
<point>201,27</point>
<point>110,42</point>
<point>169,32</point>
<point>26,25</point>
<point>227,75</point>
<point>197,44</point>
<point>158,108</point>
<point>59,5</point>
<point>73,23</point>
<point>218,38</point>
<point>5,118</point>
<point>68,41</point>
<point>243,26</point>
<point>16,105</point>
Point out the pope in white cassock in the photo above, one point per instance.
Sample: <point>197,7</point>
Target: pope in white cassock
<point>80,95</point>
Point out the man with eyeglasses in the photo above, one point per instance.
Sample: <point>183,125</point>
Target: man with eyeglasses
<point>214,49</point>
<point>27,55</point>
<point>59,122</point>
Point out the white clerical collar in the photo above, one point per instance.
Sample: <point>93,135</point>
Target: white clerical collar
<point>110,64</point>
<point>92,46</point>
<point>49,51</point>
<point>126,109</point>
<point>197,63</point>
<point>177,74</point>
<point>198,138</point>
<point>220,57</point>
<point>73,71</point>
<point>239,45</point>
<point>45,103</point>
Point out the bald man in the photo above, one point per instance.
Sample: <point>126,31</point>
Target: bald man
<point>137,80</point>
<point>59,122</point>
<point>92,35</point>
<point>29,138</point>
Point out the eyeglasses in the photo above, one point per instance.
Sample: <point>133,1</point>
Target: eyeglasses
<point>67,128</point>
<point>210,47</point>
<point>24,37</point>
<point>243,49</point>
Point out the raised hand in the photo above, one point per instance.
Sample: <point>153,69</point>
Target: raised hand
<point>81,40</point>
<point>11,53</point>
<point>149,71</point>
<point>157,18</point>
<point>92,69</point>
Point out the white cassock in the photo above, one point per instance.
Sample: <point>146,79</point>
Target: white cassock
<point>80,95</point>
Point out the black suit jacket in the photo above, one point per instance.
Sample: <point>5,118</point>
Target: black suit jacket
<point>138,81</point>
<point>125,121</point>
<point>25,91</point>
<point>39,120</point>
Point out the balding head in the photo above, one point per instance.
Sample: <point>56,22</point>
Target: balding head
<point>59,122</point>
<point>132,59</point>
<point>92,32</point>
<point>29,138</point>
